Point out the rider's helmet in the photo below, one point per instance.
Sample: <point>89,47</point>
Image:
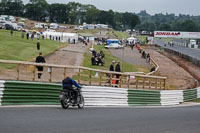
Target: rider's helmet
<point>70,75</point>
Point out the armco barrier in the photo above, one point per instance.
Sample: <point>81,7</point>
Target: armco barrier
<point>173,97</point>
<point>143,97</point>
<point>189,95</point>
<point>35,93</point>
<point>198,92</point>
<point>18,93</point>
<point>1,90</point>
<point>105,96</point>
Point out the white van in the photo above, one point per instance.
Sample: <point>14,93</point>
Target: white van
<point>54,26</point>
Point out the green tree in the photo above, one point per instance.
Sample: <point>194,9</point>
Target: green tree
<point>12,7</point>
<point>37,9</point>
<point>147,26</point>
<point>130,20</point>
<point>58,13</point>
<point>74,11</point>
<point>165,27</point>
<point>189,25</point>
<point>92,15</point>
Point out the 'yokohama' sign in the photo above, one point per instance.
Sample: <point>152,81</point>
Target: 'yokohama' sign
<point>175,34</point>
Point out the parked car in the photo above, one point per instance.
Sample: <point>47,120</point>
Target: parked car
<point>114,46</point>
<point>9,27</point>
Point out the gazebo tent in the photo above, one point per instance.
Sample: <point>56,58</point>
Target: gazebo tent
<point>131,39</point>
<point>64,37</point>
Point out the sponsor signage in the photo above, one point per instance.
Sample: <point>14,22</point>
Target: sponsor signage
<point>176,34</point>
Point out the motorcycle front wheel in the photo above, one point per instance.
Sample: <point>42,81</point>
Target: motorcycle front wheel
<point>81,102</point>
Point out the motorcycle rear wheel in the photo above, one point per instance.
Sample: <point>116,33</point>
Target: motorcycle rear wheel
<point>65,103</point>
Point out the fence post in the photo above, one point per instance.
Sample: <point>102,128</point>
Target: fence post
<point>164,84</point>
<point>100,78</point>
<point>136,82</point>
<point>90,78</point>
<point>18,71</point>
<point>65,70</point>
<point>144,82</point>
<point>128,82</point>
<point>111,79</point>
<point>160,83</point>
<point>156,83</point>
<point>34,72</point>
<point>120,85</point>
<point>150,82</point>
<point>50,79</point>
<point>79,75</point>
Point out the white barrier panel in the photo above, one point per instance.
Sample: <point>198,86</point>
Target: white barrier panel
<point>198,92</point>
<point>105,96</point>
<point>1,89</point>
<point>171,97</point>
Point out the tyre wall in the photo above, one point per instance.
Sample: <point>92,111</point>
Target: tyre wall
<point>35,93</point>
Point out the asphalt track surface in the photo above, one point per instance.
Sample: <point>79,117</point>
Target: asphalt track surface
<point>195,53</point>
<point>100,120</point>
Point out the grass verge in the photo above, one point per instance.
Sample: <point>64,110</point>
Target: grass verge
<point>126,67</point>
<point>117,34</point>
<point>197,100</point>
<point>16,48</point>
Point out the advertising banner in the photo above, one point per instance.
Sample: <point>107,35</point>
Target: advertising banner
<point>176,34</point>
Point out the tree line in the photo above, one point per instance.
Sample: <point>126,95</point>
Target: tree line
<point>70,13</point>
<point>168,22</point>
<point>76,13</point>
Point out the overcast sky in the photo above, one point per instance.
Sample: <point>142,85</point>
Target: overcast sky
<point>191,7</point>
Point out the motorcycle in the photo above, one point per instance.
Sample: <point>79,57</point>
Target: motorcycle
<point>67,98</point>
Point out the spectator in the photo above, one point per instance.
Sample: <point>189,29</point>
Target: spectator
<point>50,37</point>
<point>38,45</point>
<point>93,61</point>
<point>22,35</point>
<point>111,69</point>
<point>42,36</point>
<point>152,69</point>
<point>94,53</point>
<point>32,36</point>
<point>143,54</point>
<point>99,61</point>
<point>27,35</point>
<point>112,66</point>
<point>11,32</point>
<point>40,59</point>
<point>102,54</point>
<point>117,69</point>
<point>148,58</point>
<point>132,46</point>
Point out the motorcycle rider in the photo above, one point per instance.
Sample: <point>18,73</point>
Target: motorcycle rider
<point>67,84</point>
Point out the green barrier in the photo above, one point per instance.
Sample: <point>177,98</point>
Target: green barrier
<point>189,95</point>
<point>30,93</point>
<point>143,98</point>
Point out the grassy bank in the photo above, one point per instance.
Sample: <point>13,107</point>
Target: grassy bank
<point>117,34</point>
<point>16,48</point>
<point>198,100</point>
<point>126,67</point>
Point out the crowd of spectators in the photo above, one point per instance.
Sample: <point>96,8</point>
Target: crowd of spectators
<point>97,58</point>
